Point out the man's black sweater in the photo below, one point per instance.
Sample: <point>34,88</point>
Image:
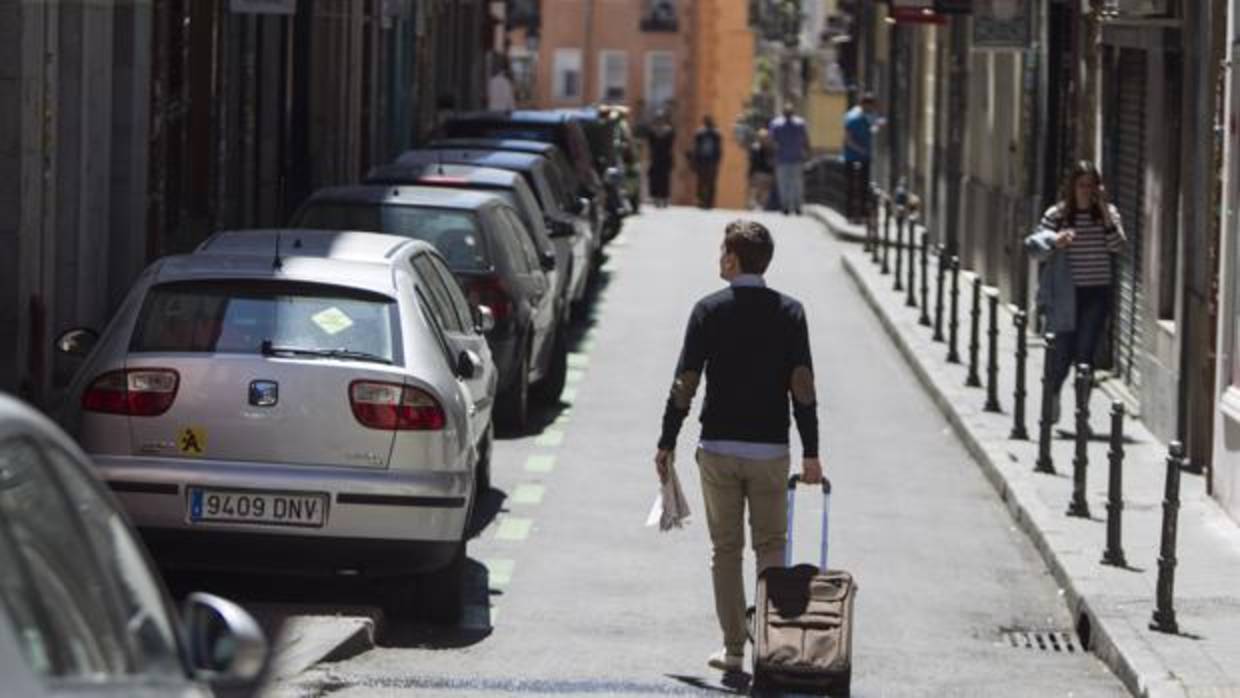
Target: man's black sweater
<point>754,345</point>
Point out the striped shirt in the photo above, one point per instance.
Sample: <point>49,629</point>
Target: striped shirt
<point>1093,244</point>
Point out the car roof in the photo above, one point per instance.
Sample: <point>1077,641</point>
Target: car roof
<point>535,116</point>
<point>428,172</point>
<point>506,159</point>
<point>481,143</point>
<point>409,195</point>
<point>339,258</point>
<point>344,245</point>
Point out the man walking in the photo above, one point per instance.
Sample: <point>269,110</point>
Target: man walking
<point>707,152</point>
<point>858,138</point>
<point>791,151</point>
<point>753,344</point>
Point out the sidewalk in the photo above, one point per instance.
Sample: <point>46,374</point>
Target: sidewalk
<point>1113,606</point>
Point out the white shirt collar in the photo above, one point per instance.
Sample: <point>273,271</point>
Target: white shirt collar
<point>749,280</point>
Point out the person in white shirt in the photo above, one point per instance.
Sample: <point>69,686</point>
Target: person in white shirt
<point>500,96</point>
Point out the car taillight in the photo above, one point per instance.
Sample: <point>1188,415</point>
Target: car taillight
<point>491,292</point>
<point>395,407</point>
<point>138,392</point>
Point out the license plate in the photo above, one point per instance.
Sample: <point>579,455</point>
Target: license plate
<point>274,508</point>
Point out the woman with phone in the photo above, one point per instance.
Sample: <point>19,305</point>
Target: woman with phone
<point>1079,238</point>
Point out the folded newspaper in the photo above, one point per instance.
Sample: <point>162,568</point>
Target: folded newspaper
<point>670,509</point>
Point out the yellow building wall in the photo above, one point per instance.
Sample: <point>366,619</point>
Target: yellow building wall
<point>723,64</point>
<point>824,114</point>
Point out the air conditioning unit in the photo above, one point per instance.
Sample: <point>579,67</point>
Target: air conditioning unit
<point>1134,8</point>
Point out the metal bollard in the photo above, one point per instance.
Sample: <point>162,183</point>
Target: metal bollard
<point>992,354</point>
<point>1114,552</point>
<point>938,295</point>
<point>884,269</point>
<point>1044,463</point>
<point>899,273</point>
<point>953,323</point>
<point>1018,397</point>
<point>910,300</point>
<point>1079,506</point>
<point>872,217</point>
<point>924,320</point>
<point>1164,613</point>
<point>975,320</point>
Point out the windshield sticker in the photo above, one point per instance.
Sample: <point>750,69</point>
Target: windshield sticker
<point>332,321</point>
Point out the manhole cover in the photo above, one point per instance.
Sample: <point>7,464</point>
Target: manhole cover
<point>1043,640</point>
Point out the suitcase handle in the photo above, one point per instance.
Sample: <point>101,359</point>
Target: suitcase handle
<point>826,511</point>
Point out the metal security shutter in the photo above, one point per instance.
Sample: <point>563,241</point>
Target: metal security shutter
<point>1125,165</point>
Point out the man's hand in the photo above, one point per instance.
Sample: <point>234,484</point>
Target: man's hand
<point>663,463</point>
<point>811,470</point>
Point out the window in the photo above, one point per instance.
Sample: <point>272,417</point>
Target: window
<point>659,16</point>
<point>522,237</point>
<point>660,78</point>
<point>440,297</point>
<point>234,317</point>
<point>455,293</point>
<point>566,78</point>
<point>453,232</point>
<point>613,76</point>
<point>508,238</point>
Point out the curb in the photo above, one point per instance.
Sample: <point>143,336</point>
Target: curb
<point>305,641</point>
<point>1152,681</point>
<point>836,224</point>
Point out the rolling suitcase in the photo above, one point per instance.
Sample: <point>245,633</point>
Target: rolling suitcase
<point>803,618</point>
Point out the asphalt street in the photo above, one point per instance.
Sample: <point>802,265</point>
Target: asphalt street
<point>572,595</point>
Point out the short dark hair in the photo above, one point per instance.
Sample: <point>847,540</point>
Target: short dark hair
<point>751,242</point>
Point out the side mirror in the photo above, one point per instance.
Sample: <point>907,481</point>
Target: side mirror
<point>560,228</point>
<point>467,364</point>
<point>547,259</point>
<point>484,320</point>
<point>77,342</point>
<point>226,644</point>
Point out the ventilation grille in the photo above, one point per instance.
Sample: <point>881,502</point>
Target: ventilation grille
<point>1042,640</point>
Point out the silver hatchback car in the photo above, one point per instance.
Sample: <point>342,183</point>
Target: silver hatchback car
<point>296,401</point>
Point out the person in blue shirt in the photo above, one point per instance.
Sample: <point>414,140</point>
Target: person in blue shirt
<point>859,123</point>
<point>791,151</point>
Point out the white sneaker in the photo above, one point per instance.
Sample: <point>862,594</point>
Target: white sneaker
<point>723,661</point>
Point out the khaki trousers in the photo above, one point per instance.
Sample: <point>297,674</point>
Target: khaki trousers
<point>727,484</point>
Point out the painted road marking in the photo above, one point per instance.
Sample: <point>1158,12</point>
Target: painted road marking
<point>578,360</point>
<point>568,394</point>
<point>550,437</point>
<point>528,494</point>
<point>513,528</point>
<point>499,572</point>
<point>574,375</point>
<point>540,463</point>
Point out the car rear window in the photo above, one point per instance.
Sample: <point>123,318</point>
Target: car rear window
<point>231,316</point>
<point>454,233</point>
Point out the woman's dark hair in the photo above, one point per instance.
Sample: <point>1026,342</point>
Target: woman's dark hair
<point>751,242</point>
<point>1067,194</point>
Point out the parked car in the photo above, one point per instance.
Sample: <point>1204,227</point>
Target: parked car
<point>82,610</point>
<point>296,401</point>
<point>485,244</point>
<point>561,168</point>
<point>549,126</point>
<point>602,134</point>
<point>539,173</point>
<point>569,249</point>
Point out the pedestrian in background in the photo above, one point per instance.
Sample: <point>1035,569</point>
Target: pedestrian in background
<point>500,95</point>
<point>761,170</point>
<point>660,138</point>
<point>752,343</point>
<point>859,124</point>
<point>1079,238</point>
<point>706,154</point>
<point>791,151</point>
